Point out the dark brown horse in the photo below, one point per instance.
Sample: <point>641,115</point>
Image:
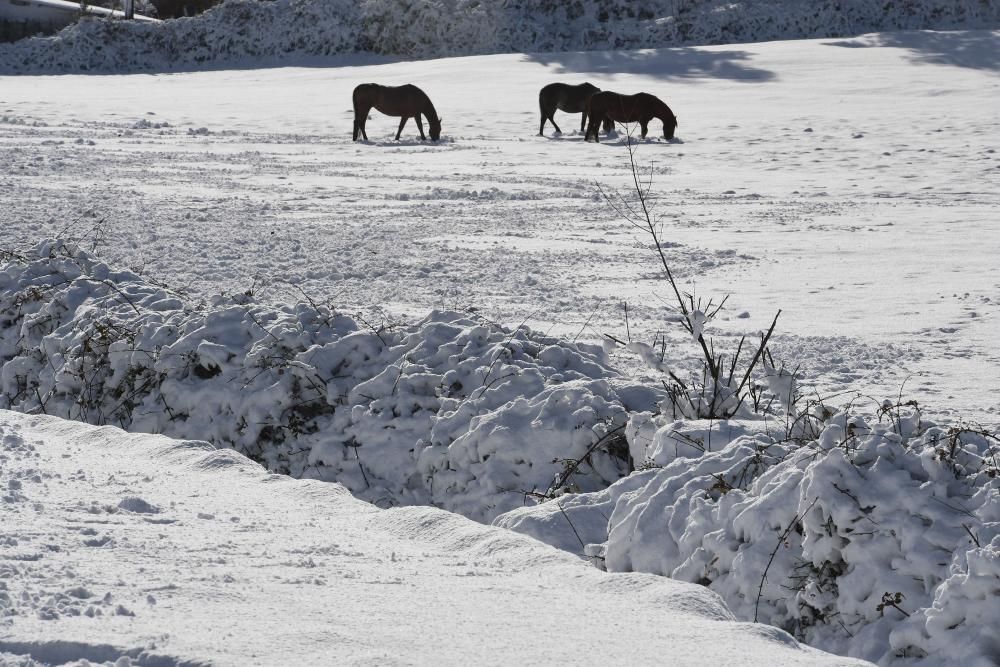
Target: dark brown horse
<point>568,98</point>
<point>406,101</point>
<point>639,108</point>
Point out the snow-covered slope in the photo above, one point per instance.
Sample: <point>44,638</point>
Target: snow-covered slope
<point>242,31</point>
<point>163,552</point>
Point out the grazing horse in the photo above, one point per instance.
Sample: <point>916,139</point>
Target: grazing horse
<point>568,98</point>
<point>641,108</point>
<point>406,101</point>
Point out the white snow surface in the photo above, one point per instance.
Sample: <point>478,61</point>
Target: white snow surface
<point>862,206</point>
<point>120,549</point>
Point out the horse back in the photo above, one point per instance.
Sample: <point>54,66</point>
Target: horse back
<point>405,100</point>
<point>566,97</point>
<point>630,108</point>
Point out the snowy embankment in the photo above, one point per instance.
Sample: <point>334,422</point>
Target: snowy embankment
<point>140,550</point>
<point>878,537</point>
<point>283,30</point>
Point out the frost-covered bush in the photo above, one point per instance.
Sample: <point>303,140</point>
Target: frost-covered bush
<point>282,30</point>
<point>877,539</point>
<point>447,411</point>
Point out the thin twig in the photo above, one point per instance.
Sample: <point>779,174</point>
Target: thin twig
<point>781,540</point>
<point>579,539</point>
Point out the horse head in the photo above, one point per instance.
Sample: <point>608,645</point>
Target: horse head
<point>669,126</point>
<point>435,127</point>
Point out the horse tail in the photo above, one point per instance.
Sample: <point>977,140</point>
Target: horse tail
<point>594,114</point>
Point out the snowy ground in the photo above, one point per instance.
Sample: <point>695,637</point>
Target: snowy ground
<point>162,551</point>
<point>853,184</point>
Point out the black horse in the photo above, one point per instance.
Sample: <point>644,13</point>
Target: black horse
<point>406,101</point>
<point>639,108</point>
<point>568,98</point>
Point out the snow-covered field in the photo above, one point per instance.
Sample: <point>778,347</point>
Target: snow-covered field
<point>852,183</point>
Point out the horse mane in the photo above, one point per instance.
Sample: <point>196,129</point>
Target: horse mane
<point>432,117</point>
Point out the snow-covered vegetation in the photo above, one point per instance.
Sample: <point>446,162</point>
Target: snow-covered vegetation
<point>239,30</point>
<point>875,537</point>
<point>450,411</point>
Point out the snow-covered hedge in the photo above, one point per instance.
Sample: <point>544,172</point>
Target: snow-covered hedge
<point>449,411</point>
<point>878,539</point>
<point>284,30</point>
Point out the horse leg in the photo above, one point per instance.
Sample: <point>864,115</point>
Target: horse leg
<point>583,120</point>
<point>593,126</point>
<point>608,124</point>
<point>644,124</point>
<point>420,126</point>
<point>402,122</point>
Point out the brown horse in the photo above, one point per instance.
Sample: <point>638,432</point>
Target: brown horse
<point>406,101</point>
<point>639,108</point>
<point>568,98</point>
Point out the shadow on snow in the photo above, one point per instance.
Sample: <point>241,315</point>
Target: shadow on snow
<point>973,49</point>
<point>666,64</point>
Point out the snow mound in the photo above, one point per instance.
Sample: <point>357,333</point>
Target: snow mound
<point>876,539</point>
<point>284,30</point>
<point>450,411</point>
<point>208,591</point>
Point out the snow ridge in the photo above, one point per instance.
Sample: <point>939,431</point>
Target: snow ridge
<point>289,30</point>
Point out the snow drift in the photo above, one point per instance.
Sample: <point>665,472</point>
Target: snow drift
<point>240,567</point>
<point>285,30</point>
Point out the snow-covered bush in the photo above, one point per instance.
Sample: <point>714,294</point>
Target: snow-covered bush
<point>448,411</point>
<point>238,30</point>
<point>877,539</point>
